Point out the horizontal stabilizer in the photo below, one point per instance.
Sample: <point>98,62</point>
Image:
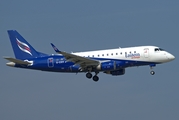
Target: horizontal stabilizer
<point>17,61</point>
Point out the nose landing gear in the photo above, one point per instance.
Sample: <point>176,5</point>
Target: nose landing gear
<point>151,67</point>
<point>152,72</point>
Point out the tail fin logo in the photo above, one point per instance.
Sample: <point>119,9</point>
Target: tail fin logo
<point>24,47</point>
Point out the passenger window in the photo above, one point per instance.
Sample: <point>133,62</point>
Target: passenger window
<point>116,53</point>
<point>107,54</point>
<point>111,53</point>
<point>121,53</point>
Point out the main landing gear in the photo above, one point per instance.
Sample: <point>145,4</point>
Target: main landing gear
<point>95,77</point>
<point>151,67</point>
<point>89,75</point>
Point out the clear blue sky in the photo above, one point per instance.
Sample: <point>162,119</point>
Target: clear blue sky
<point>80,25</point>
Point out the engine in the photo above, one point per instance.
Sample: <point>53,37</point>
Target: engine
<point>111,65</point>
<point>116,72</point>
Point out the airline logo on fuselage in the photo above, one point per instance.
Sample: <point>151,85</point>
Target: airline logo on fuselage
<point>132,55</point>
<point>24,47</point>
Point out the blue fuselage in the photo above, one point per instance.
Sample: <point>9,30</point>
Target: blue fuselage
<point>56,63</point>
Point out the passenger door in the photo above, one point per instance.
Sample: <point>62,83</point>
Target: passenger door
<point>146,52</point>
<point>50,62</point>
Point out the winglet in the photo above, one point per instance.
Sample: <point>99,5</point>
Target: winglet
<point>55,48</point>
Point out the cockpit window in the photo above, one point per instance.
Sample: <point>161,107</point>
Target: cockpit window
<point>159,49</point>
<point>156,49</point>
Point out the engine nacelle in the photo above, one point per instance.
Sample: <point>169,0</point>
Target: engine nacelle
<point>110,65</point>
<point>116,72</point>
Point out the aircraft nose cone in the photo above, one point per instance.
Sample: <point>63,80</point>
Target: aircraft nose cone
<point>171,57</point>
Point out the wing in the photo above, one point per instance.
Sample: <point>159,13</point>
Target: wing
<point>78,60</point>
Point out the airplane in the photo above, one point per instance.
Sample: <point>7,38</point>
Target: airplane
<point>109,61</point>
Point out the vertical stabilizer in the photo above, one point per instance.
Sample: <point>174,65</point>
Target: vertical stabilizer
<point>22,49</point>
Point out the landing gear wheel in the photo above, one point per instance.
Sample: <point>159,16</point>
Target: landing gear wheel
<point>95,78</point>
<point>152,72</point>
<point>88,75</point>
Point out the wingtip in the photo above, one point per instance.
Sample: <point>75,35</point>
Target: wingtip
<point>55,48</point>
<point>52,44</point>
